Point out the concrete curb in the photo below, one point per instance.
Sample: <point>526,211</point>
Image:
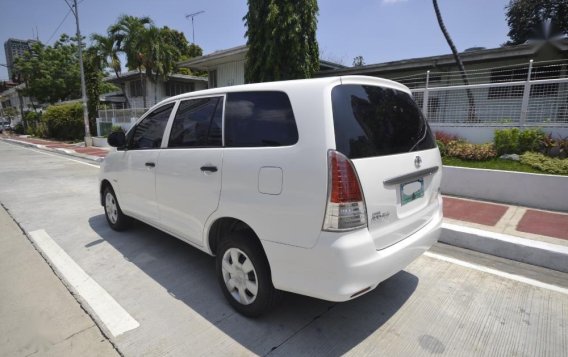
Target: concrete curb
<point>523,250</point>
<point>63,151</point>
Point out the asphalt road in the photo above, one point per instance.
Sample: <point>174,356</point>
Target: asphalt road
<point>448,302</point>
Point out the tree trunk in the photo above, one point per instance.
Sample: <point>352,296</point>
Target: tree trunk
<point>471,113</point>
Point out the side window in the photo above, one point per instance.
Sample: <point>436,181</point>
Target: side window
<point>149,132</point>
<point>259,119</point>
<point>197,123</point>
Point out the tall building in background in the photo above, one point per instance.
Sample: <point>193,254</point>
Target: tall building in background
<point>15,48</point>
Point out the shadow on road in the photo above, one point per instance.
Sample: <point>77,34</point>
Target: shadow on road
<point>188,274</point>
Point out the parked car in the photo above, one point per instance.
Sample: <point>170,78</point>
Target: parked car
<point>5,126</point>
<point>321,187</point>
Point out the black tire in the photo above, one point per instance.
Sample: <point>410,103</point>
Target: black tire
<point>114,216</point>
<point>266,295</point>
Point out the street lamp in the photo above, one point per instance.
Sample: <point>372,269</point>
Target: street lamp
<point>75,11</point>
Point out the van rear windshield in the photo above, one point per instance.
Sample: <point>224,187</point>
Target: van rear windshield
<point>375,121</point>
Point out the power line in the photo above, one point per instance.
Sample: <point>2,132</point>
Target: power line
<point>58,27</point>
<point>61,23</point>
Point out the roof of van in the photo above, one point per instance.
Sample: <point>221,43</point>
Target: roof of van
<point>287,85</point>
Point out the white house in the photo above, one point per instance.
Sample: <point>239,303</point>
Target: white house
<point>138,91</point>
<point>227,67</point>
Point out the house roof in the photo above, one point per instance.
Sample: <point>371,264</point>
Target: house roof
<point>480,55</point>
<point>130,74</point>
<point>235,54</point>
<point>203,63</point>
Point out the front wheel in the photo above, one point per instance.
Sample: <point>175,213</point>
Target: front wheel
<point>244,275</point>
<point>115,218</point>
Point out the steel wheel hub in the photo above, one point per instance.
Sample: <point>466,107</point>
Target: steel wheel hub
<point>111,208</point>
<point>239,276</point>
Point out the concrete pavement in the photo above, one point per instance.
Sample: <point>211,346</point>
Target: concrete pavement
<point>39,315</point>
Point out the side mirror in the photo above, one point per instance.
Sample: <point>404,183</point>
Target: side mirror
<point>117,139</point>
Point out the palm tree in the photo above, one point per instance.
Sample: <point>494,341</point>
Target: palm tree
<point>128,34</point>
<point>158,55</point>
<point>107,50</point>
<point>471,113</point>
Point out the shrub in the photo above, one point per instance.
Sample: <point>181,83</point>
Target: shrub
<point>64,121</point>
<point>468,151</point>
<point>562,147</point>
<point>116,128</point>
<point>506,141</point>
<point>441,147</point>
<point>546,164</point>
<point>530,139</point>
<point>19,129</point>
<point>516,141</point>
<point>445,138</point>
<point>547,145</point>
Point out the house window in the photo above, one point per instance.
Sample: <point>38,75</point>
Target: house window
<point>175,88</point>
<point>136,89</point>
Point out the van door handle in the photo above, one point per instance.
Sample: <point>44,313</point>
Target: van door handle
<point>209,168</point>
<point>150,164</point>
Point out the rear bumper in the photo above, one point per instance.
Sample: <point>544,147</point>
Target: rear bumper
<point>341,265</point>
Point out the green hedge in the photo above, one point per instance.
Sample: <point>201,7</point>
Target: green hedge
<point>64,121</point>
<point>516,141</point>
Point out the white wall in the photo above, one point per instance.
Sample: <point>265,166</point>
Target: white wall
<point>548,192</point>
<point>230,74</point>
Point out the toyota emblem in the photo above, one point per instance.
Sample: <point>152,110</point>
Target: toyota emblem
<point>417,161</point>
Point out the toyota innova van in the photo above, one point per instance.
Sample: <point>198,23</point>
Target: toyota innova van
<point>322,187</point>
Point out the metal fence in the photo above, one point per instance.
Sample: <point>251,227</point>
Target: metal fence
<point>122,117</point>
<point>534,94</point>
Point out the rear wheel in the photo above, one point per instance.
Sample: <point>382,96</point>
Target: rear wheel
<point>244,275</point>
<point>115,218</point>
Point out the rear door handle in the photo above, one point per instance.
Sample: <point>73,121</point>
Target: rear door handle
<point>209,168</point>
<point>150,164</point>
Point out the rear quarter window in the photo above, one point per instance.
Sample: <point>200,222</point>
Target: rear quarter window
<point>255,119</point>
<point>376,121</point>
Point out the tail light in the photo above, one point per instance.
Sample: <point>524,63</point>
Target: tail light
<point>345,203</point>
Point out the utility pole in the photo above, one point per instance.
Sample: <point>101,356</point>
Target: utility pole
<point>75,11</point>
<point>192,28</point>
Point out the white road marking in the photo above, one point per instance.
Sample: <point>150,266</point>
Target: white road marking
<point>50,154</point>
<point>499,273</point>
<point>111,314</point>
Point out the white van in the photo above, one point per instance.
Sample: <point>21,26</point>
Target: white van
<point>321,187</point>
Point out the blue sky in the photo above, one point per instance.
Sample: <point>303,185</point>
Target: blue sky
<point>378,30</point>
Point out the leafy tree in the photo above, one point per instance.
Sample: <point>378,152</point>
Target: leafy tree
<point>471,113</point>
<point>527,19</point>
<point>94,67</point>
<point>51,73</point>
<point>281,39</point>
<point>358,61</point>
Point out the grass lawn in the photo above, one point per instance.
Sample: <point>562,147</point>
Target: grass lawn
<point>493,164</point>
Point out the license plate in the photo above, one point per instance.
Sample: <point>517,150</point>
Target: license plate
<point>411,191</point>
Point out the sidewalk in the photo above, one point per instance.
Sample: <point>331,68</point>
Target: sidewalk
<point>39,314</point>
<point>79,150</point>
<point>528,235</point>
